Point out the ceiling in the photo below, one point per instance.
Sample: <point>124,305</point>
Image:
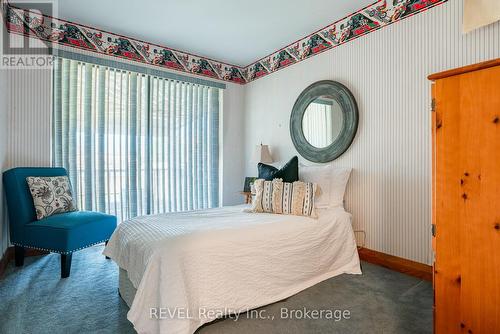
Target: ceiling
<point>237,32</point>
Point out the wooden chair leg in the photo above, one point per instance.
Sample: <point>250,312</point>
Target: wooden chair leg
<point>66,264</point>
<point>106,243</point>
<point>19,255</point>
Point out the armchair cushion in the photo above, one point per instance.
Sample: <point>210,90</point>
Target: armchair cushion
<point>68,232</point>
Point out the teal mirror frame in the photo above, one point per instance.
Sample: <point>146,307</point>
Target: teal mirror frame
<point>350,114</point>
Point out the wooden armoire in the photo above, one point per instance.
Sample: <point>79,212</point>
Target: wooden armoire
<point>466,199</point>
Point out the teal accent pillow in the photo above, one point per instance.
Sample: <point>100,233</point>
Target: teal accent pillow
<point>289,172</point>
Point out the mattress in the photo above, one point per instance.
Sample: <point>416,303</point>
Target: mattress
<point>193,267</point>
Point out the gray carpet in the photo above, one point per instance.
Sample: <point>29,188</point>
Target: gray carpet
<point>34,300</point>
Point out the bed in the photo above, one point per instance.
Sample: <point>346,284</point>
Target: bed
<point>179,271</point>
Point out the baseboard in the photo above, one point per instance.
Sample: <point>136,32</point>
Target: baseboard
<point>9,256</point>
<point>6,258</point>
<point>412,268</point>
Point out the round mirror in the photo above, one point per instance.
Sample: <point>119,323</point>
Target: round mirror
<point>324,121</point>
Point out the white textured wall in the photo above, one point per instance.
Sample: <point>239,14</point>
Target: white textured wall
<point>3,150</point>
<point>30,93</point>
<point>3,159</point>
<point>233,159</point>
<point>390,190</point>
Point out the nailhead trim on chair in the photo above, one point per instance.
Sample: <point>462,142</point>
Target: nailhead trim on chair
<point>55,251</point>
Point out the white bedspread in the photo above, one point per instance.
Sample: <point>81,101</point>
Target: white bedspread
<point>187,265</point>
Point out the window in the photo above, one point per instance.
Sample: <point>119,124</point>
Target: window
<point>135,144</point>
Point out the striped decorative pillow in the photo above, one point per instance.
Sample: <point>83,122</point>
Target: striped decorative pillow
<point>280,197</point>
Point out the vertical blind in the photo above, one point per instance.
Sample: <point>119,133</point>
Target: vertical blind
<point>135,144</point>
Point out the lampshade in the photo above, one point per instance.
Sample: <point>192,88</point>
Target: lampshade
<point>262,154</point>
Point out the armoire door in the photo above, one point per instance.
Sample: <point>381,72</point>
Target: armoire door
<point>466,201</point>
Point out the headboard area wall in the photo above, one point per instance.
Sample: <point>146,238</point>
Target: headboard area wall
<point>389,192</point>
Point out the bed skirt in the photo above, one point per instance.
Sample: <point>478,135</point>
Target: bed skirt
<point>126,288</point>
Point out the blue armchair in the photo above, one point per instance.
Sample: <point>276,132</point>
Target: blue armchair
<point>61,233</point>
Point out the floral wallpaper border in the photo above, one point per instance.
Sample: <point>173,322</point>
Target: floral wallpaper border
<point>377,15</point>
<point>69,34</point>
<point>371,18</point>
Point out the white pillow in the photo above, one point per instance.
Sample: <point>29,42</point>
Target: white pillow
<point>321,175</point>
<point>331,180</point>
<point>340,177</point>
